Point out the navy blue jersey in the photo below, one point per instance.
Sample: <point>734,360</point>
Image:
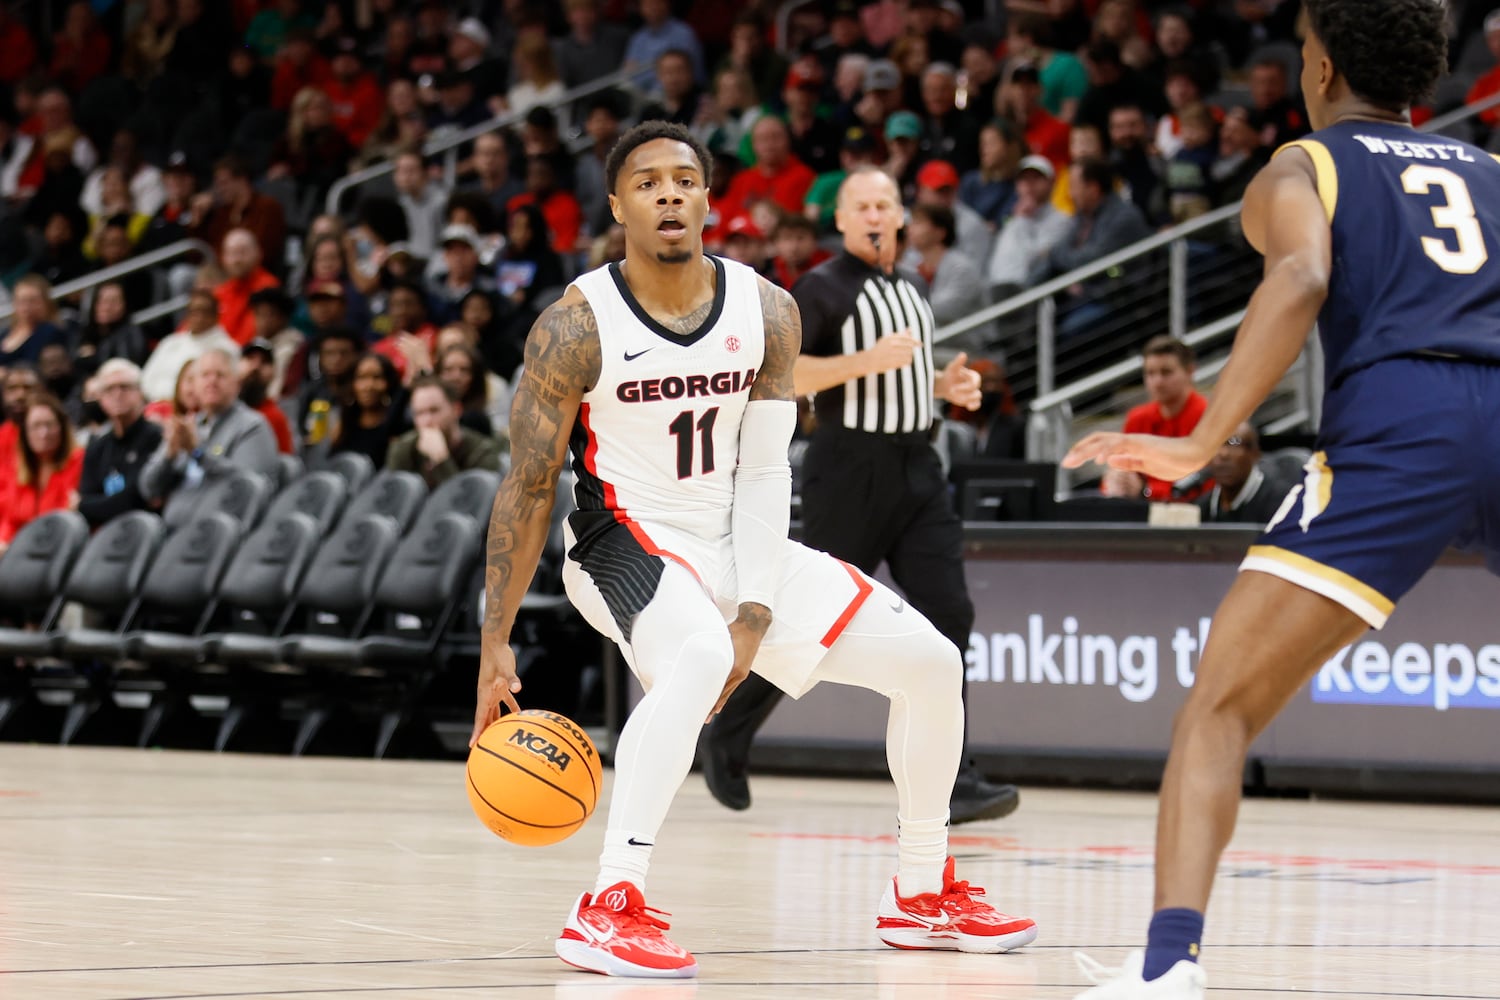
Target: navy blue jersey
<point>1416,245</point>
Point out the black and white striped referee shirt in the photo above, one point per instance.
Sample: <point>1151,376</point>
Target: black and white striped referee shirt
<point>846,306</point>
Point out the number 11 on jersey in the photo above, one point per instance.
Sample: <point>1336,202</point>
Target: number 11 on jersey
<point>682,429</point>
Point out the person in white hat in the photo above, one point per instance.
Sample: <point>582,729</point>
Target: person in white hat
<point>1031,230</point>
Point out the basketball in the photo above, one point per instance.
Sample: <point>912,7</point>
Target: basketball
<point>533,777</point>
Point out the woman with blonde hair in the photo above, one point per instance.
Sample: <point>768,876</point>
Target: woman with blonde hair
<point>48,464</point>
<point>312,152</point>
<point>34,323</point>
<point>537,79</point>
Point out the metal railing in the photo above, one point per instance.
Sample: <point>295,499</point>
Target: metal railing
<point>448,143</point>
<point>1179,303</point>
<point>94,279</point>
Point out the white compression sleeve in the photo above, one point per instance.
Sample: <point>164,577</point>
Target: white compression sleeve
<point>762,497</point>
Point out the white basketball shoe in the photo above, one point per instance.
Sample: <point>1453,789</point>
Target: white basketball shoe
<point>1184,981</point>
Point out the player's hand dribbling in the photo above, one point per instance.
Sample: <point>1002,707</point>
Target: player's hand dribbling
<point>745,633</point>
<point>497,683</point>
<point>1148,454</point>
<point>894,350</point>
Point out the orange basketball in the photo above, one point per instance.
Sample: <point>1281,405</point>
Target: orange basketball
<point>534,777</point>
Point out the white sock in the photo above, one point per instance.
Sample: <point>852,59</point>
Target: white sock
<point>922,846</point>
<point>625,858</point>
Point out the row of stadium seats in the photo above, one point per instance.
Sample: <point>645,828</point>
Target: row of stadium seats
<point>323,596</point>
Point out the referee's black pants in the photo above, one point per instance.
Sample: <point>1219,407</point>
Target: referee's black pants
<point>870,499</point>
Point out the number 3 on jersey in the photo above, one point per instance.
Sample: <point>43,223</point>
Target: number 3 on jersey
<point>682,429</point>
<point>1457,214</point>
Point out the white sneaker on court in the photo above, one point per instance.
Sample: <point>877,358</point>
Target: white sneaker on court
<point>1184,981</point>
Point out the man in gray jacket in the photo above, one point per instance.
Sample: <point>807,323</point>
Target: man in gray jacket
<point>1104,223</point>
<point>1029,234</point>
<point>223,435</point>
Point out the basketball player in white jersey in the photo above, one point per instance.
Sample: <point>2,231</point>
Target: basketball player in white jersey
<point>669,379</point>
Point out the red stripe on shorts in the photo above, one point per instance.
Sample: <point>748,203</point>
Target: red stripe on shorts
<point>865,590</point>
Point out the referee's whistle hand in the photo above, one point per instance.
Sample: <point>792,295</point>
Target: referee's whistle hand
<point>894,350</point>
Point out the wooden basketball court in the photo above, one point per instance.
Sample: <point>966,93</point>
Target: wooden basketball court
<point>136,874</point>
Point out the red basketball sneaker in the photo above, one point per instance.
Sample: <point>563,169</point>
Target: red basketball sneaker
<point>619,935</point>
<point>952,919</point>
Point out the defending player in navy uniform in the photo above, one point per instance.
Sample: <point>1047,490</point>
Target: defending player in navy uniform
<point>1389,240</point>
<point>668,380</point>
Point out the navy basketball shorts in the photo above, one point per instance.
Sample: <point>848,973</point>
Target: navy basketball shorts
<point>1408,463</point>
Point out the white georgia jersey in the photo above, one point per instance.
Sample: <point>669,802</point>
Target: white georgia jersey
<point>657,439</point>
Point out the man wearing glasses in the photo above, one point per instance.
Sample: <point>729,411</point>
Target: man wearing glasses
<point>110,483</point>
<point>1243,492</point>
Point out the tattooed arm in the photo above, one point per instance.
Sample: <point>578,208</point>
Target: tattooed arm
<point>562,362</point>
<point>763,481</point>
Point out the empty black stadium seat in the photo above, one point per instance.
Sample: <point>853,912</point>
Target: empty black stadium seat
<point>290,467</point>
<point>176,593</point>
<point>34,568</point>
<point>427,579</point>
<point>336,597</point>
<point>178,589</point>
<point>105,578</point>
<point>354,467</point>
<point>257,593</point>
<point>471,492</point>
<point>32,573</point>
<point>336,594</point>
<point>319,495</point>
<point>241,494</point>
<point>397,495</point>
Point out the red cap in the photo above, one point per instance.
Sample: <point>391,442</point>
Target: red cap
<point>801,75</point>
<point>937,174</point>
<point>743,225</point>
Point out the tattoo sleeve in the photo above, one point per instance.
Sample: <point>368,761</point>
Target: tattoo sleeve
<point>783,343</point>
<point>562,362</point>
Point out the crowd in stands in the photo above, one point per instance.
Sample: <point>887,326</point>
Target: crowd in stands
<point>1027,142</point>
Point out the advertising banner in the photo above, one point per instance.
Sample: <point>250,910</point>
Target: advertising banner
<point>1093,654</point>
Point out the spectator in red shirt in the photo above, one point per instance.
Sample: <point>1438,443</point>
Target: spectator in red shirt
<point>1175,407</point>
<point>239,255</point>
<point>1020,102</point>
<point>777,174</point>
<point>17,47</point>
<point>47,464</point>
<point>797,252</point>
<point>298,66</point>
<point>257,369</point>
<point>81,50</point>
<point>19,383</point>
<point>1489,84</point>
<point>356,97</point>
<point>412,339</point>
<point>560,208</point>
<point>234,204</point>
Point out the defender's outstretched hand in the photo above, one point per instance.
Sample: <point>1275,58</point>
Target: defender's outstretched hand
<point>1159,457</point>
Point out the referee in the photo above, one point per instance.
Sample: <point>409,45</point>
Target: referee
<point>873,487</point>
